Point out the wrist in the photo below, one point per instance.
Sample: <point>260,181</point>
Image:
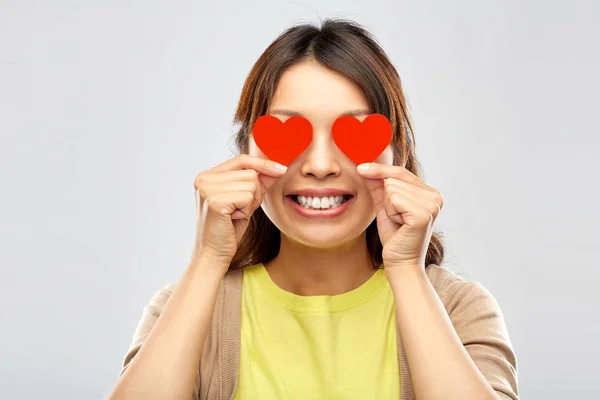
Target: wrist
<point>209,263</point>
<point>405,272</point>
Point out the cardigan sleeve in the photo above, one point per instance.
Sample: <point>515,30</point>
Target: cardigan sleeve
<point>479,322</point>
<point>150,314</point>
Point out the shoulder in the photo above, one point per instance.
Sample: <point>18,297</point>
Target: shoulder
<point>468,303</point>
<point>165,291</point>
<point>454,290</point>
<point>159,299</point>
<point>442,278</point>
<point>150,315</point>
<point>231,281</point>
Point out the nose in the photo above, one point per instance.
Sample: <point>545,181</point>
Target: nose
<point>321,159</point>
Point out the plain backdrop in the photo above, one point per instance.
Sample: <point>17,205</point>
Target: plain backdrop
<point>109,109</point>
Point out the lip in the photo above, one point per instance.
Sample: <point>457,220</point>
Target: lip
<point>325,192</point>
<point>327,213</point>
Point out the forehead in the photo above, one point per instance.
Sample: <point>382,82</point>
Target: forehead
<point>310,88</point>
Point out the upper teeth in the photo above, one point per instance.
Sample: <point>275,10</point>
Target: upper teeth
<point>320,202</point>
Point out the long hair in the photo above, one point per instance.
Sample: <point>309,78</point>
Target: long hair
<point>349,49</point>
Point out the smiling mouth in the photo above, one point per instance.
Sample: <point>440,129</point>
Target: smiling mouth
<point>320,203</point>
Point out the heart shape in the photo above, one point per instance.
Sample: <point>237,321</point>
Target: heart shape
<point>282,141</point>
<point>364,141</point>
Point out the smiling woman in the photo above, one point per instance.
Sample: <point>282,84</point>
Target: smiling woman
<point>322,75</point>
<point>320,95</point>
<point>321,279</point>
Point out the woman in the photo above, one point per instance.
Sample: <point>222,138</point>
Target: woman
<point>319,279</point>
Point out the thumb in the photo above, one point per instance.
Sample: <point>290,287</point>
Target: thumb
<point>377,191</point>
<point>266,182</point>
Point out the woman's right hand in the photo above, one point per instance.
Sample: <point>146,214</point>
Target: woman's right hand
<point>226,197</point>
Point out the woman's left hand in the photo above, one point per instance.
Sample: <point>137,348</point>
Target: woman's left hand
<point>406,211</point>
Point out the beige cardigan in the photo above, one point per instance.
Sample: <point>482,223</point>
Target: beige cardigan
<point>474,312</point>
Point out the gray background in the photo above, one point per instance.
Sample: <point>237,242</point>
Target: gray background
<point>109,109</point>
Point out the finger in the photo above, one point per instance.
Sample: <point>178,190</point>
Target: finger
<point>232,176</point>
<point>417,193</point>
<point>405,210</point>
<point>266,178</point>
<point>403,185</point>
<point>423,205</point>
<point>382,171</point>
<point>246,161</point>
<point>267,181</point>
<point>376,190</point>
<point>225,187</point>
<point>228,202</point>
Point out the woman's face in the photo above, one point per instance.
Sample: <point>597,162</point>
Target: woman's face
<point>322,171</point>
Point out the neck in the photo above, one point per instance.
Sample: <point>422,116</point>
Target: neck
<point>309,271</point>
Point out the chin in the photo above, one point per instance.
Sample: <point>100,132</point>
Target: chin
<point>320,235</point>
<point>318,239</point>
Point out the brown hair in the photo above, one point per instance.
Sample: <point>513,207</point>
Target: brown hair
<point>346,47</point>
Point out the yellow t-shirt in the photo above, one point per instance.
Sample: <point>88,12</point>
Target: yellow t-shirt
<point>295,347</point>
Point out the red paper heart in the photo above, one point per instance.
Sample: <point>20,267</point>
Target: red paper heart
<point>282,141</point>
<point>362,141</point>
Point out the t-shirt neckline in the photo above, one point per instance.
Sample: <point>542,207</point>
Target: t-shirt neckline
<point>320,303</point>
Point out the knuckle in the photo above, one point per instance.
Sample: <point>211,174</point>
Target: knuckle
<point>423,218</point>
<point>244,158</point>
<point>430,219</point>
<point>253,186</point>
<point>198,181</point>
<point>203,193</point>
<point>210,203</point>
<point>439,199</point>
<point>252,174</point>
<point>214,205</point>
<point>388,182</point>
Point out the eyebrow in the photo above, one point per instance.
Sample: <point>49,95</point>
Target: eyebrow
<point>291,113</point>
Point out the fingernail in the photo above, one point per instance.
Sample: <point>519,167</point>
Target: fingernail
<point>280,166</point>
<point>364,167</point>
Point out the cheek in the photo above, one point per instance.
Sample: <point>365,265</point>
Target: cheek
<point>253,149</point>
<point>387,157</point>
<point>272,206</point>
